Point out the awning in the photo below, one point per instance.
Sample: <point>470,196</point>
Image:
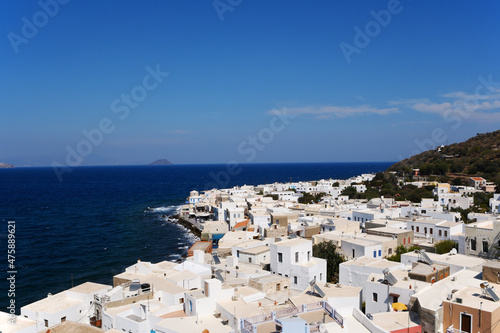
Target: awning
<point>399,306</point>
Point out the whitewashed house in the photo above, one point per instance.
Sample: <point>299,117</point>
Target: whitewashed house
<point>75,304</point>
<point>380,294</point>
<point>356,272</point>
<point>293,258</point>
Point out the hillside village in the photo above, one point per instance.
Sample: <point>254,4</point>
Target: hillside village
<point>260,267</point>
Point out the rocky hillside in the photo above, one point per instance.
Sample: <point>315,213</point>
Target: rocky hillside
<point>5,166</point>
<point>478,156</point>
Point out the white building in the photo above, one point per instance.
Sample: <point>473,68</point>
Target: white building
<point>21,325</point>
<point>455,200</point>
<point>358,247</point>
<point>195,197</point>
<point>75,304</point>
<point>356,272</point>
<point>436,229</point>
<point>293,258</point>
<point>494,203</point>
<point>202,302</point>
<point>380,294</point>
<point>260,219</point>
<point>287,195</point>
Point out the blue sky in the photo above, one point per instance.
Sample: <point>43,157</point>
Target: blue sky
<point>353,88</point>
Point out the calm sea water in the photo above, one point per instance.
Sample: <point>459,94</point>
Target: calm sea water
<point>95,222</point>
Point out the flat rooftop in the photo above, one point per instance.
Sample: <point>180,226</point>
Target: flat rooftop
<point>372,262</point>
<point>447,259</point>
<point>192,324</point>
<point>389,230</point>
<point>394,321</point>
<point>472,297</point>
<point>72,327</point>
<point>432,296</point>
<point>257,250</point>
<point>21,323</point>
<point>292,242</point>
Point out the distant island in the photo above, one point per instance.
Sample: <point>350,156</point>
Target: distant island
<point>161,162</point>
<point>6,166</point>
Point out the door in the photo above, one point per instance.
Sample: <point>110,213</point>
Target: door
<point>465,322</point>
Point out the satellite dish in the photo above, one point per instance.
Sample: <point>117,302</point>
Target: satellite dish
<point>322,328</point>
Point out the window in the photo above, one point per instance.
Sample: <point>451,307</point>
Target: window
<point>63,319</point>
<point>190,306</point>
<point>294,280</point>
<point>353,253</point>
<point>238,253</point>
<point>379,253</point>
<point>431,230</point>
<point>250,260</point>
<point>375,297</point>
<point>375,254</point>
<point>389,252</point>
<point>308,255</point>
<point>439,233</point>
<point>296,257</point>
<point>280,257</point>
<point>446,233</point>
<point>418,229</point>
<point>320,276</point>
<point>404,241</point>
<point>485,246</point>
<point>413,228</point>
<point>46,322</point>
<point>425,230</point>
<point>473,244</point>
<point>181,300</point>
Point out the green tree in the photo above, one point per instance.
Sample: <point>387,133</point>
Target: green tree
<point>326,250</point>
<point>274,196</point>
<point>306,198</point>
<point>400,250</point>
<point>445,246</point>
<point>350,191</point>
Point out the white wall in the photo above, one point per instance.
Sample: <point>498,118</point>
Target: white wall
<point>357,275</point>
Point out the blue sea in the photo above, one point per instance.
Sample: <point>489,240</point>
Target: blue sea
<point>96,222</point>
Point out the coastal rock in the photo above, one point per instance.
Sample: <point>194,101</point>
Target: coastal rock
<point>5,166</point>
